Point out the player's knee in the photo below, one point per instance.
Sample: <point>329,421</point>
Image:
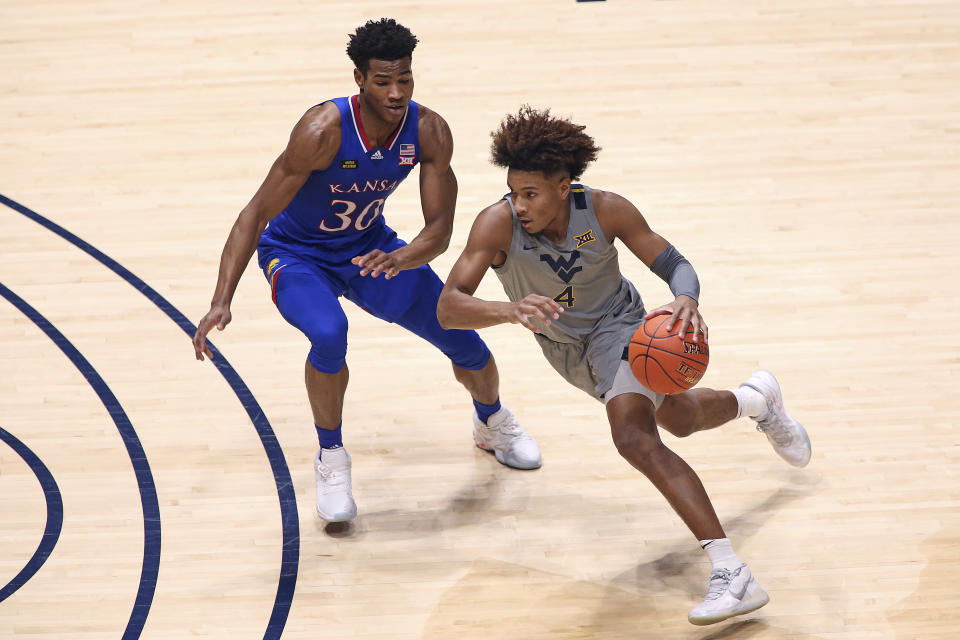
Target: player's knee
<point>675,415</point>
<point>680,430</point>
<point>644,456</point>
<point>679,427</point>
<point>472,354</point>
<point>464,348</point>
<point>327,330</point>
<point>637,444</point>
<point>328,344</point>
<point>326,362</point>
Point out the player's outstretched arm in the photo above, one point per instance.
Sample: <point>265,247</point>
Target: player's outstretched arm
<point>488,243</point>
<point>619,218</point>
<point>310,145</point>
<point>438,199</point>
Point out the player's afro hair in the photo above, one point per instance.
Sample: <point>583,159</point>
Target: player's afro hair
<point>383,39</point>
<point>536,141</point>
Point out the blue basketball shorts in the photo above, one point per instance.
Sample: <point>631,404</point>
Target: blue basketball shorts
<point>307,291</point>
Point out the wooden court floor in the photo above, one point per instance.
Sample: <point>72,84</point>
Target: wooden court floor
<point>804,155</point>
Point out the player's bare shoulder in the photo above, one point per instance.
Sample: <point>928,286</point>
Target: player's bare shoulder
<point>614,213</point>
<point>315,139</point>
<point>435,137</point>
<point>498,214</point>
<point>493,230</point>
<point>609,202</point>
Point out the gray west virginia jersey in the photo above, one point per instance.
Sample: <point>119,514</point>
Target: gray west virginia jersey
<point>602,309</point>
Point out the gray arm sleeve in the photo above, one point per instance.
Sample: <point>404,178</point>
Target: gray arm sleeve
<point>677,272</point>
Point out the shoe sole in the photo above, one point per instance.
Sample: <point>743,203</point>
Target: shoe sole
<point>340,517</point>
<point>763,599</point>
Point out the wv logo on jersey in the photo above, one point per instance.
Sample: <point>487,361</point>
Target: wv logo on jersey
<point>563,267</point>
<point>584,238</point>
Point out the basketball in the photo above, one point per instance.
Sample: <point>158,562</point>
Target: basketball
<point>664,361</point>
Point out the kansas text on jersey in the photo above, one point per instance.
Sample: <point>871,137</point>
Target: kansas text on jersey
<point>338,213</point>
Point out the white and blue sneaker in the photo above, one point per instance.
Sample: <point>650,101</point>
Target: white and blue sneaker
<point>503,436</point>
<point>729,593</point>
<point>334,491</point>
<point>787,436</point>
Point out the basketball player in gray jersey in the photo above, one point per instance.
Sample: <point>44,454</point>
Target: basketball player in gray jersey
<point>550,241</point>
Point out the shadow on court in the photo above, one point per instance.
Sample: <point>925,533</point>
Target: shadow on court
<point>477,501</point>
<point>683,569</point>
<point>648,602</point>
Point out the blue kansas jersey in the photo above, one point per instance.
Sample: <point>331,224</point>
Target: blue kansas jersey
<point>338,212</point>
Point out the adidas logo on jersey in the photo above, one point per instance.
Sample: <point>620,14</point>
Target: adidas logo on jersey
<point>377,155</point>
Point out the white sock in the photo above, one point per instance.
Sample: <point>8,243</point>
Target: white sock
<point>750,402</point>
<point>721,554</point>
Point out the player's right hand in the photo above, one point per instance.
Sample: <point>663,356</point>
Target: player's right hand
<point>534,306</point>
<point>377,262</point>
<point>219,317</point>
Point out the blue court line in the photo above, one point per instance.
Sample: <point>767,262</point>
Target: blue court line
<point>51,531</point>
<point>290,520</point>
<point>148,491</point>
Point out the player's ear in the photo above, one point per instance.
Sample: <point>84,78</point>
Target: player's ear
<point>358,78</point>
<point>564,187</point>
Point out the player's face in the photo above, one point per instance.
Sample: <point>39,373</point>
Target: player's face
<point>387,87</point>
<point>540,200</point>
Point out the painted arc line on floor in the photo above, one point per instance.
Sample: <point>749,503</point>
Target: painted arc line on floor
<point>290,520</point>
<point>141,468</point>
<point>54,523</point>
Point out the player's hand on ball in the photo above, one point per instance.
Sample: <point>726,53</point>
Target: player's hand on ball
<point>533,306</point>
<point>219,316</point>
<point>685,309</point>
<point>664,360</point>
<point>377,262</point>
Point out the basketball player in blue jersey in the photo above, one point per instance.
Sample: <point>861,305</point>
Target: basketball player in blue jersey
<point>550,243</point>
<point>317,222</point>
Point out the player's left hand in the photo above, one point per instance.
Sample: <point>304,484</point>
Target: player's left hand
<point>685,309</point>
<point>377,262</point>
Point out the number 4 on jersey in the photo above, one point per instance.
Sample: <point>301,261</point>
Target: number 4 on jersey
<point>566,297</point>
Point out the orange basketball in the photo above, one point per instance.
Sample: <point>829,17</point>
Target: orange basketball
<point>664,361</point>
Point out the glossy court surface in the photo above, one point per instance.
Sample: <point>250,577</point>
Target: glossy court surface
<point>802,155</point>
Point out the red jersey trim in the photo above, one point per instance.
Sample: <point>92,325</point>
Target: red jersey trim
<point>362,135</point>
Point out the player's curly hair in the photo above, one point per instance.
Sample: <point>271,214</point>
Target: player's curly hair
<point>534,140</point>
<point>383,39</point>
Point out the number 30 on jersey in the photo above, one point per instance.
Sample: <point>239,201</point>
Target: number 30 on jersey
<point>345,216</point>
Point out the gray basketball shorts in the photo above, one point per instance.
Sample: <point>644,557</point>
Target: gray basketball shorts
<point>595,363</point>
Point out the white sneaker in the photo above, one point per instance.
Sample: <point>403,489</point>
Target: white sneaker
<point>729,593</point>
<point>503,435</point>
<point>788,437</point>
<point>334,497</point>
